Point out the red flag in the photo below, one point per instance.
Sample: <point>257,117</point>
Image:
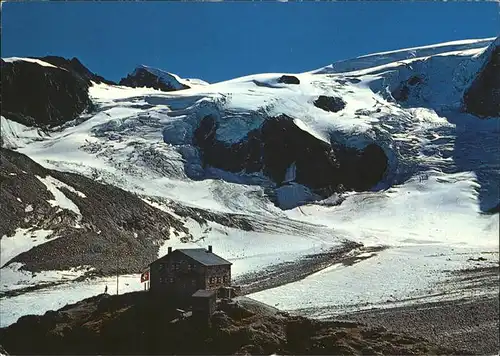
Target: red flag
<point>145,276</point>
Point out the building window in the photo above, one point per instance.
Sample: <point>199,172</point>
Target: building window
<point>224,279</point>
<point>218,279</point>
<point>212,279</point>
<point>172,280</point>
<point>162,266</point>
<point>163,280</point>
<point>176,266</point>
<point>193,282</point>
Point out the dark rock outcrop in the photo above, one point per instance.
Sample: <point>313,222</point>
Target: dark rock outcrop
<point>42,96</point>
<point>279,143</point>
<point>142,77</point>
<point>75,66</point>
<point>368,168</point>
<point>114,225</point>
<point>483,96</point>
<point>288,79</point>
<point>494,210</point>
<point>3,352</point>
<point>330,103</point>
<point>414,80</point>
<point>284,144</point>
<point>402,91</point>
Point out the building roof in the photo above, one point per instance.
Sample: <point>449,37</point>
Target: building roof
<point>203,293</point>
<point>204,257</point>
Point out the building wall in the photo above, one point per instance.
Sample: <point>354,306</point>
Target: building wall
<point>204,303</point>
<point>218,276</point>
<point>203,308</point>
<point>175,273</point>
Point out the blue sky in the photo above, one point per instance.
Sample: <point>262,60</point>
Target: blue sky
<point>218,41</point>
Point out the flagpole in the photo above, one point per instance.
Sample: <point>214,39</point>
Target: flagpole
<point>116,274</point>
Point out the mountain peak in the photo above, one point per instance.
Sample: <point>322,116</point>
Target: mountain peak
<point>146,76</point>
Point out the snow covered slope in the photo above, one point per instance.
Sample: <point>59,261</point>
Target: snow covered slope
<point>30,60</point>
<point>384,58</point>
<point>427,171</point>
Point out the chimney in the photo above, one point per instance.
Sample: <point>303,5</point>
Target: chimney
<point>209,248</point>
<point>169,250</point>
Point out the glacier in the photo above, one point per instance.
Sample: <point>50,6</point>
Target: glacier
<point>441,179</point>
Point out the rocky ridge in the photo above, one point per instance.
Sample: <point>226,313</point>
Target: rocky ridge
<point>136,323</point>
<point>152,78</point>
<point>483,96</point>
<point>43,95</point>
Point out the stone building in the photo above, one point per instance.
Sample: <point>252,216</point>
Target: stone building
<point>203,303</point>
<point>182,272</point>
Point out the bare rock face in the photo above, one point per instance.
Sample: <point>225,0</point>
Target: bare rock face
<point>402,91</point>
<point>279,146</point>
<point>288,79</point>
<point>330,103</point>
<point>74,65</point>
<point>483,96</point>
<point>142,77</point>
<point>112,224</point>
<point>42,96</point>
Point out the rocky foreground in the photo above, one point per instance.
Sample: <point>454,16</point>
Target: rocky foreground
<point>134,324</point>
<point>470,324</point>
